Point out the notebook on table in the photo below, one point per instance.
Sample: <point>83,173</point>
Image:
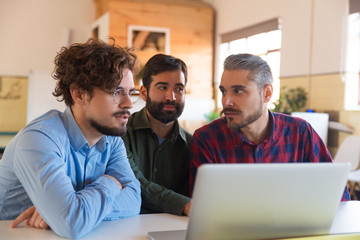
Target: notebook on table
<point>262,201</point>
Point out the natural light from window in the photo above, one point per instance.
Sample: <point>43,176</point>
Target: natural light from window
<point>352,65</point>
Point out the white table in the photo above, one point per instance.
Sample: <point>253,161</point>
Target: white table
<point>127,228</point>
<point>347,220</point>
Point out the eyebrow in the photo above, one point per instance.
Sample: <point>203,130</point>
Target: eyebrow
<point>121,88</point>
<point>180,84</point>
<point>234,86</point>
<point>161,83</point>
<point>166,83</point>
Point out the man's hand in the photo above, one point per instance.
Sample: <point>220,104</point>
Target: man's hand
<point>32,217</point>
<point>117,182</point>
<point>186,210</point>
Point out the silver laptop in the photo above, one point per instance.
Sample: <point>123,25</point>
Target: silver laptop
<point>262,201</point>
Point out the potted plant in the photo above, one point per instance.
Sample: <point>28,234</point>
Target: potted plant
<point>291,100</point>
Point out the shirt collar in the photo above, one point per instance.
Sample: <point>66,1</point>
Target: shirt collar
<point>76,137</point>
<point>141,121</point>
<point>273,134</point>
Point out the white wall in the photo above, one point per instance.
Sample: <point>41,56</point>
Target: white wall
<point>33,31</point>
<point>40,98</point>
<point>31,34</point>
<point>330,36</point>
<point>312,30</point>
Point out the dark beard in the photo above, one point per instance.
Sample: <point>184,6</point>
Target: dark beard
<point>155,110</point>
<point>247,121</point>
<point>108,130</point>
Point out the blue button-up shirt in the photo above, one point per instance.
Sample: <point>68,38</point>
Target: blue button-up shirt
<point>50,165</point>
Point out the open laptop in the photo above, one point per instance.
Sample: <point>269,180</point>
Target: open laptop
<point>262,201</point>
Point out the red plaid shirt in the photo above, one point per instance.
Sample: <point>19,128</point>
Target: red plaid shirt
<point>290,139</point>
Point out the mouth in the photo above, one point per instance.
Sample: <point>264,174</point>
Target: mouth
<point>124,117</point>
<point>169,107</point>
<point>230,114</point>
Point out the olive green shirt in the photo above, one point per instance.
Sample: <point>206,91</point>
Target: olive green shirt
<point>163,170</point>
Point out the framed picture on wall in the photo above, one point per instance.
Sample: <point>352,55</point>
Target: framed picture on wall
<point>149,39</point>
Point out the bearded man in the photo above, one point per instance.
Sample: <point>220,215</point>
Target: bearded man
<point>68,171</point>
<point>249,132</point>
<point>157,146</point>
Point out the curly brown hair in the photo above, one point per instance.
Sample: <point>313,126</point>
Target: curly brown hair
<point>94,64</point>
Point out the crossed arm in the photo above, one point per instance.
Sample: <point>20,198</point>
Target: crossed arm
<point>71,212</point>
<point>32,217</point>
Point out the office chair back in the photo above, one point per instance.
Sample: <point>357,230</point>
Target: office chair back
<point>349,151</point>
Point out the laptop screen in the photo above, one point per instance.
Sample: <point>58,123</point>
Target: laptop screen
<point>255,201</point>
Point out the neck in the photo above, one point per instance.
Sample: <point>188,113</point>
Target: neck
<point>92,136</point>
<point>256,131</point>
<point>162,130</point>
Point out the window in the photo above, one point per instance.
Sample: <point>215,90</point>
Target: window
<point>352,65</point>
<point>263,40</point>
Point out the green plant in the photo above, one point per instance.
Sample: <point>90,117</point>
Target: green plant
<point>291,100</point>
<point>211,116</point>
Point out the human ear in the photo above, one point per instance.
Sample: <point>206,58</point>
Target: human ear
<point>77,95</point>
<point>143,93</point>
<point>267,92</point>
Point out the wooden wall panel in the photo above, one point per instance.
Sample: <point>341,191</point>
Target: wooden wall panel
<point>191,34</point>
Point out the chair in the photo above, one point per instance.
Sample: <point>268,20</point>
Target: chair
<point>349,151</point>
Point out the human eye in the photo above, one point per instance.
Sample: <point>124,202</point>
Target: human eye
<point>179,89</point>
<point>238,91</point>
<point>162,87</point>
<point>116,93</point>
<point>223,92</point>
<point>134,92</point>
<point>120,92</point>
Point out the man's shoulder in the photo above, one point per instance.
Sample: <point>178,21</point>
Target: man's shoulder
<point>138,120</point>
<point>283,123</point>
<point>214,128</point>
<point>287,120</point>
<point>49,124</point>
<point>184,134</point>
<point>47,128</point>
<point>49,121</point>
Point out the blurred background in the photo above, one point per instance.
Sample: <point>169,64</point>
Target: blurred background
<point>312,47</point>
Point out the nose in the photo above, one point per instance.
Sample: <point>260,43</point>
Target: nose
<point>227,101</point>
<point>170,95</point>
<point>126,102</point>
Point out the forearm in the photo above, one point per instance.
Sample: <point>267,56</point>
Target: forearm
<point>70,213</point>
<point>127,203</point>
<point>160,199</point>
<point>74,214</point>
<point>176,204</point>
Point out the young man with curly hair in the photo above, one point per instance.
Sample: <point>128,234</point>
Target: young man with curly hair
<point>69,170</point>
